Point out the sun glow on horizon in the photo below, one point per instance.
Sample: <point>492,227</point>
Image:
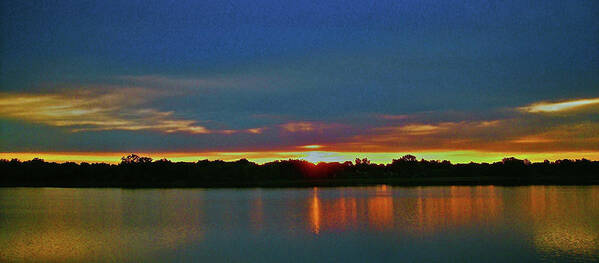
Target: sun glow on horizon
<point>314,146</point>
<point>311,156</point>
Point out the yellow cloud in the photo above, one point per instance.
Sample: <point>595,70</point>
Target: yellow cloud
<point>533,139</point>
<point>420,129</point>
<point>95,110</point>
<point>559,106</point>
<point>255,130</point>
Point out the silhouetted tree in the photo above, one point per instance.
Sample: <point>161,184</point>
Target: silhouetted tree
<point>139,171</point>
<point>408,158</point>
<point>135,159</point>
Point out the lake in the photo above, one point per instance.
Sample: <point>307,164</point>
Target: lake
<point>345,224</point>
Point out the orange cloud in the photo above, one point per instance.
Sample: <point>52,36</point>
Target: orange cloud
<point>509,135</point>
<point>420,129</point>
<point>255,130</point>
<point>431,131</point>
<point>533,139</point>
<point>298,126</point>
<point>306,126</point>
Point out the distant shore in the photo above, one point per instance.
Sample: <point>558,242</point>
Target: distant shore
<point>142,172</point>
<point>406,182</point>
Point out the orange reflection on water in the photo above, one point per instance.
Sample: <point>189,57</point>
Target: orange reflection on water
<point>315,212</point>
<point>257,212</point>
<point>538,200</point>
<point>560,220</point>
<point>57,225</point>
<point>425,212</point>
<point>461,206</point>
<point>380,208</point>
<point>336,214</point>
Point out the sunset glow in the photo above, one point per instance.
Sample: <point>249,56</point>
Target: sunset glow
<point>311,156</point>
<point>311,146</point>
<point>303,130</point>
<point>318,86</point>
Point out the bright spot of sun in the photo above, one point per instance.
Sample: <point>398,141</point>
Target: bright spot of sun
<point>314,146</point>
<point>316,157</point>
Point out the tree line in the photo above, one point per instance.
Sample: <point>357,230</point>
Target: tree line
<point>140,171</point>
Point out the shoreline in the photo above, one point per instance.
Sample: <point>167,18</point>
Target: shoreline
<point>142,172</point>
<point>401,182</point>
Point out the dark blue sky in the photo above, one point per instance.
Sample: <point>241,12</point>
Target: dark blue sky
<point>235,65</point>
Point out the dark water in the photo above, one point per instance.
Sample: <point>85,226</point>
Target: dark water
<point>355,224</point>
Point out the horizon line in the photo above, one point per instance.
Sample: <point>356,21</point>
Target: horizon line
<point>464,156</point>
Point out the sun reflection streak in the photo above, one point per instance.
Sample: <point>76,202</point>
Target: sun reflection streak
<point>315,211</point>
<point>380,208</point>
<point>257,212</point>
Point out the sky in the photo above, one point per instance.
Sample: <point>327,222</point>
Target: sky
<point>317,80</point>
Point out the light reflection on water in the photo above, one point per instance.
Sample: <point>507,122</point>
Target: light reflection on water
<point>454,223</point>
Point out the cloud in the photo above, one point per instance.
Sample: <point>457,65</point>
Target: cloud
<point>298,126</point>
<point>95,110</point>
<point>532,139</point>
<point>544,107</point>
<point>132,109</point>
<point>512,134</point>
<point>250,131</point>
<point>255,130</point>
<point>421,129</point>
<point>314,130</point>
<point>415,136</point>
<point>490,131</point>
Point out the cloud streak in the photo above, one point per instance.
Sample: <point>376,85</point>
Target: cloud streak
<point>133,109</point>
<point>517,133</point>
<point>95,110</point>
<point>547,107</point>
<point>307,126</point>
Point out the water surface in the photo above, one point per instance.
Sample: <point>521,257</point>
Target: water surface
<point>351,224</point>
